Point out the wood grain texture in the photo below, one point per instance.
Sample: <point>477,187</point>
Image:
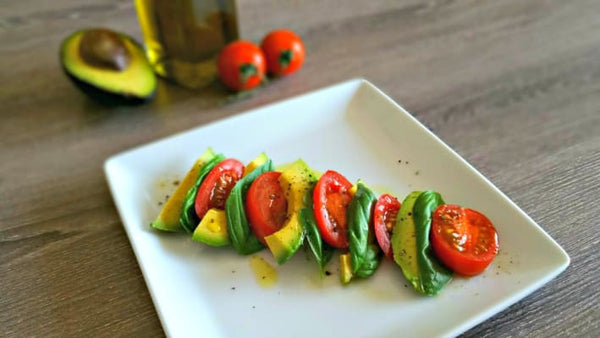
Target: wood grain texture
<point>513,86</point>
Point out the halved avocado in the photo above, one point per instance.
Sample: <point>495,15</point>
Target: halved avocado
<point>108,66</point>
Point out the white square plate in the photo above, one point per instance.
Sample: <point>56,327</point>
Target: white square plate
<point>357,130</point>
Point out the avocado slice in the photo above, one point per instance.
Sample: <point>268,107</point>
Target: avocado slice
<point>108,66</point>
<point>168,218</point>
<point>255,163</point>
<point>410,243</point>
<point>404,244</point>
<point>212,229</point>
<point>296,181</point>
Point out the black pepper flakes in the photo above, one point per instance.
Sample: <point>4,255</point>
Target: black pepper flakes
<point>233,288</point>
<point>327,273</point>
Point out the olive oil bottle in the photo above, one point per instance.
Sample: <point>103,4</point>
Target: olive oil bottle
<point>184,37</point>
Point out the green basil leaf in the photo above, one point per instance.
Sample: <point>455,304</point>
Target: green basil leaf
<point>365,254</point>
<point>370,262</point>
<point>240,234</point>
<point>188,218</point>
<point>321,250</point>
<point>432,274</point>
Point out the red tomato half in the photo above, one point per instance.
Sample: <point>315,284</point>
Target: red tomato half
<point>217,185</point>
<point>284,52</point>
<point>241,65</point>
<point>463,239</point>
<point>266,206</point>
<point>331,198</point>
<point>384,218</point>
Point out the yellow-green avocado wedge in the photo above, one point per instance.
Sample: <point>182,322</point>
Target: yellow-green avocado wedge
<point>296,180</point>
<point>134,84</point>
<point>212,229</point>
<point>168,218</point>
<point>255,163</point>
<point>403,239</point>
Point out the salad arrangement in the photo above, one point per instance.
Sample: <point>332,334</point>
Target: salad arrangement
<point>221,202</point>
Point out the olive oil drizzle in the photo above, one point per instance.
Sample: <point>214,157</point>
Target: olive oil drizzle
<point>265,274</point>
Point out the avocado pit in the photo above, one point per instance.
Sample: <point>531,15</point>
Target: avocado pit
<point>102,48</point>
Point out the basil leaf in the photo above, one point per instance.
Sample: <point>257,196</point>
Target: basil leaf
<point>240,234</point>
<point>188,218</point>
<point>365,254</point>
<point>321,250</point>
<point>370,261</point>
<point>432,274</point>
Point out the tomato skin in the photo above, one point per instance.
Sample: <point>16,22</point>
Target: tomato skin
<point>331,198</point>
<point>217,185</point>
<point>241,65</point>
<point>463,239</point>
<point>284,52</point>
<point>384,217</point>
<point>266,206</point>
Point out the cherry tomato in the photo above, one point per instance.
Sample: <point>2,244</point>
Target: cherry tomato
<point>331,198</point>
<point>384,218</point>
<point>266,206</point>
<point>217,185</point>
<point>241,65</point>
<point>284,52</point>
<point>463,239</point>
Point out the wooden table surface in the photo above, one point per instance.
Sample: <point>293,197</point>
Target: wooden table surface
<point>512,85</point>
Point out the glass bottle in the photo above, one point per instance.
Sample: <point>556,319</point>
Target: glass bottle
<point>184,37</point>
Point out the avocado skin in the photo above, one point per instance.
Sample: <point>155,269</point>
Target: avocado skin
<point>100,95</point>
<point>108,98</point>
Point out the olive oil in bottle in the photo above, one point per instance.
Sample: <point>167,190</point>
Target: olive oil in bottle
<point>184,37</point>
